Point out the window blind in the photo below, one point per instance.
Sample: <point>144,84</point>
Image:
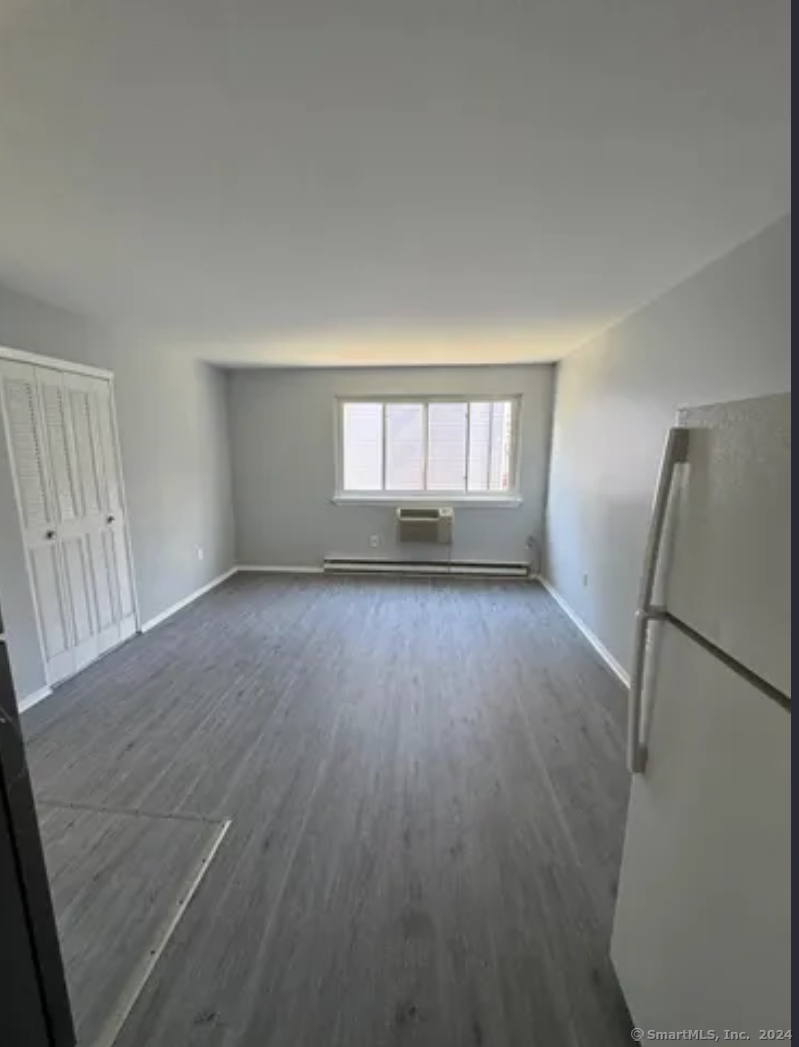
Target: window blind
<point>428,446</point>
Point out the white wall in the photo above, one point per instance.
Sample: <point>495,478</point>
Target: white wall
<point>282,426</point>
<point>724,334</point>
<point>173,436</point>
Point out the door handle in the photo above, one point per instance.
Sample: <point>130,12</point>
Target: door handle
<point>674,454</point>
<point>49,535</point>
<point>110,519</point>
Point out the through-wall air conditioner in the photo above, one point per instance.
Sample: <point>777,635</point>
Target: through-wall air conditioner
<point>433,526</point>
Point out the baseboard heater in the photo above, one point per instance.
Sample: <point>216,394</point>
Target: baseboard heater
<point>460,568</point>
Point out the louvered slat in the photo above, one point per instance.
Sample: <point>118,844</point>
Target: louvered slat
<point>61,465</point>
<point>85,449</point>
<point>20,400</point>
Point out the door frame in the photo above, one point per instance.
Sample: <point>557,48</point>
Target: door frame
<point>23,356</point>
<point>18,812</point>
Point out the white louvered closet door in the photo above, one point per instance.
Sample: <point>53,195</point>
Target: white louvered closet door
<point>116,521</point>
<point>104,523</point>
<point>29,454</point>
<point>63,451</point>
<point>70,481</point>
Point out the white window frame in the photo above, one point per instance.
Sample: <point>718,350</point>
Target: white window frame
<point>505,499</point>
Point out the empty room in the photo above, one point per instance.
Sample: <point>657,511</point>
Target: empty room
<point>395,503</point>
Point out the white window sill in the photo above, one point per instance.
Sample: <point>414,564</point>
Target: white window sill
<point>490,501</point>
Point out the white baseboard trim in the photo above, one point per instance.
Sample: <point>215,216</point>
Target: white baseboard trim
<point>275,569</point>
<point>615,667</point>
<point>151,624</point>
<point>34,698</point>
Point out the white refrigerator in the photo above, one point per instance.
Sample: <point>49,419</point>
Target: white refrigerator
<point>701,938</point>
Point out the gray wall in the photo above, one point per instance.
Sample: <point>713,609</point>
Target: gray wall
<point>173,435</point>
<point>282,426</point>
<point>722,335</point>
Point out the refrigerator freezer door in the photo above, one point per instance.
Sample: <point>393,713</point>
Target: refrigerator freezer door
<point>730,573</point>
<point>701,937</point>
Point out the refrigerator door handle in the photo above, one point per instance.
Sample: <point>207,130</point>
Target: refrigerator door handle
<point>675,453</point>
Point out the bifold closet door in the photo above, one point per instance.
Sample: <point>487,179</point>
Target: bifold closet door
<point>103,522</point>
<point>29,460</point>
<point>63,449</point>
<point>71,478</point>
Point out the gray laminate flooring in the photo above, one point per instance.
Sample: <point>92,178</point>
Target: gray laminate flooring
<point>427,792</point>
<point>118,881</point>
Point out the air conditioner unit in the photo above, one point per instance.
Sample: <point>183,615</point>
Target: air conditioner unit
<point>433,526</point>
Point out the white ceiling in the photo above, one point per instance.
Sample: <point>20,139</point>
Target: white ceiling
<point>383,181</point>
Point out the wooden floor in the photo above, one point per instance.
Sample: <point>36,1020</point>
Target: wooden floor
<point>427,792</point>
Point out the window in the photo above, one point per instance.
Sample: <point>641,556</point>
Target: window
<point>411,448</point>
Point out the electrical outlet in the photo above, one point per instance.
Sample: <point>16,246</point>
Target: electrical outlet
<point>374,541</point>
<point>200,552</point>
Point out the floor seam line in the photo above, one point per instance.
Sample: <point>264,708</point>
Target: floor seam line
<point>69,805</point>
<point>115,1023</point>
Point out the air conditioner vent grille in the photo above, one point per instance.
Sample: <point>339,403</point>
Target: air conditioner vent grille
<point>428,525</point>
